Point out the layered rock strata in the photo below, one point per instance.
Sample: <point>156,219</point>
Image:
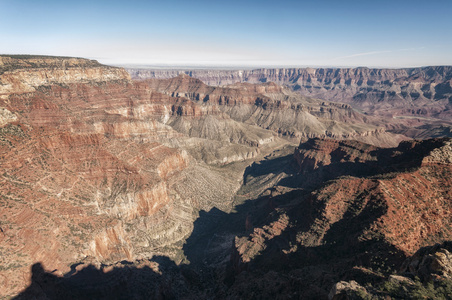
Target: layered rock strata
<point>90,168</point>
<point>413,97</point>
<point>287,114</point>
<point>23,74</point>
<point>103,178</point>
<point>361,86</point>
<point>378,207</point>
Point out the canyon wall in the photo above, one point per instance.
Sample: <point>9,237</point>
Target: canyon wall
<point>24,74</point>
<point>421,92</point>
<point>353,212</point>
<point>91,172</point>
<point>280,110</point>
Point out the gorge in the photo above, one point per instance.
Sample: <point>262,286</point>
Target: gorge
<point>202,184</point>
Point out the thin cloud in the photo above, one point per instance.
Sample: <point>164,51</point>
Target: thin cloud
<point>364,54</point>
<point>379,52</point>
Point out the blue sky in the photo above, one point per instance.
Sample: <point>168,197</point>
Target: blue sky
<point>380,33</point>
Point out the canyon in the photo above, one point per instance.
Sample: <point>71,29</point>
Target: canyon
<point>293,183</point>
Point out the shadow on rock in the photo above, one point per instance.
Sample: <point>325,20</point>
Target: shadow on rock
<point>158,278</point>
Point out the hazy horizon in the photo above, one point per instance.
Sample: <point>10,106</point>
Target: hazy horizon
<point>183,67</point>
<point>246,34</point>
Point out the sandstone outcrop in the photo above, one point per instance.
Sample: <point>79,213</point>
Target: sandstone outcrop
<point>6,117</point>
<point>347,290</point>
<point>425,275</point>
<point>431,263</point>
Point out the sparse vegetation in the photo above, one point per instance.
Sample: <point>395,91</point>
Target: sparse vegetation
<point>441,290</point>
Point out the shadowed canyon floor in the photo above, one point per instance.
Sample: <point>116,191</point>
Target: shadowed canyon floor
<point>173,189</point>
